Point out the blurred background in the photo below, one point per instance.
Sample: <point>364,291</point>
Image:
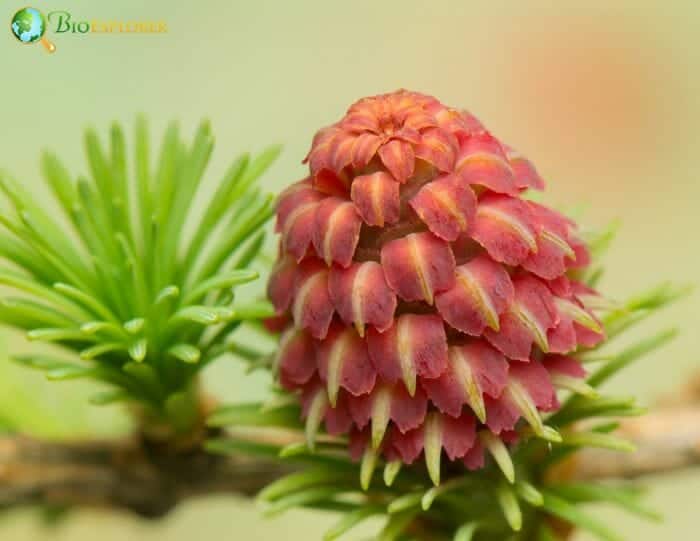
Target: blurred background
<point>602,96</point>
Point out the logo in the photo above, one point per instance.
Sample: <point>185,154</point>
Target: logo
<point>29,25</point>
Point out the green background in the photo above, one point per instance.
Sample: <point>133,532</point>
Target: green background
<point>602,96</point>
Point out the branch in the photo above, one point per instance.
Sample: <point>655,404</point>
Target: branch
<point>666,440</point>
<point>150,480</point>
<point>126,475</point>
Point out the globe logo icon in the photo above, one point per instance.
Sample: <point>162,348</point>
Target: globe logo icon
<point>29,26</point>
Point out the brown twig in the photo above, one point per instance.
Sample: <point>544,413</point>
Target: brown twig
<point>150,480</point>
<point>666,440</point>
<point>128,475</point>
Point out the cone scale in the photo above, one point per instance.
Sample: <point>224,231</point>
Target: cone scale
<point>431,309</point>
